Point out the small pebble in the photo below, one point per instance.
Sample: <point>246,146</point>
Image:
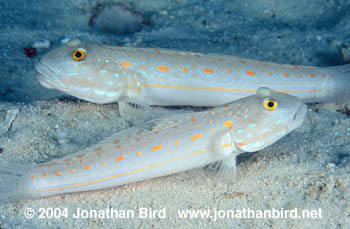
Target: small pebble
<point>63,141</point>
<point>117,19</point>
<point>61,134</point>
<point>42,44</point>
<point>65,40</point>
<point>163,13</point>
<point>30,52</point>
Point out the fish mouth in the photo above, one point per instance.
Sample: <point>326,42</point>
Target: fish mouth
<point>48,77</point>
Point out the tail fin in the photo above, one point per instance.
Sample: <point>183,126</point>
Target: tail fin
<point>342,83</point>
<point>13,182</point>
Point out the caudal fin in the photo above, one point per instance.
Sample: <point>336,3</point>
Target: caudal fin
<point>12,182</point>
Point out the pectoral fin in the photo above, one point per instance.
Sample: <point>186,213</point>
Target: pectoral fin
<point>224,148</point>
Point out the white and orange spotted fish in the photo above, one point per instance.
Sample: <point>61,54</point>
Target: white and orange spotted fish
<point>148,76</point>
<point>176,143</point>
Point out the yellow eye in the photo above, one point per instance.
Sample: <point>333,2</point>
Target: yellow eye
<point>270,104</point>
<point>79,54</point>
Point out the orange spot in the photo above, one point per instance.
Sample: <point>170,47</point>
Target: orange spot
<point>103,163</point>
<point>98,149</point>
<point>80,156</point>
<point>45,174</point>
<point>196,137</point>
<point>33,177</point>
<point>185,70</point>
<point>193,119</point>
<point>157,147</point>
<point>208,70</point>
<point>324,76</point>
<point>176,142</point>
<point>157,51</point>
<point>228,71</point>
<point>175,126</point>
<point>67,160</point>
<point>213,130</point>
<point>225,146</point>
<point>156,132</point>
<point>228,124</point>
<point>226,107</point>
<point>268,74</point>
<point>299,76</point>
<point>312,75</point>
<point>72,171</point>
<point>163,68</point>
<point>117,146</point>
<point>116,141</point>
<point>137,139</point>
<point>58,174</point>
<point>87,167</point>
<point>250,73</point>
<point>242,143</point>
<point>285,74</point>
<point>120,158</point>
<point>138,154</point>
<point>197,55</point>
<point>125,64</point>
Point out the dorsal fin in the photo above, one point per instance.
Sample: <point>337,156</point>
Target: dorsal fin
<point>108,144</point>
<point>175,118</point>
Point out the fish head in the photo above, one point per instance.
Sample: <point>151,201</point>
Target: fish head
<point>269,115</point>
<point>80,70</point>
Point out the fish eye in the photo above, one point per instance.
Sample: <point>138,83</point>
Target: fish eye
<point>270,104</point>
<point>79,54</point>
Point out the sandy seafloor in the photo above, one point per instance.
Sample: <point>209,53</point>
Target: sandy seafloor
<point>308,169</point>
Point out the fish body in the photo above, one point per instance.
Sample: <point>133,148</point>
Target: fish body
<point>163,77</point>
<point>174,144</point>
